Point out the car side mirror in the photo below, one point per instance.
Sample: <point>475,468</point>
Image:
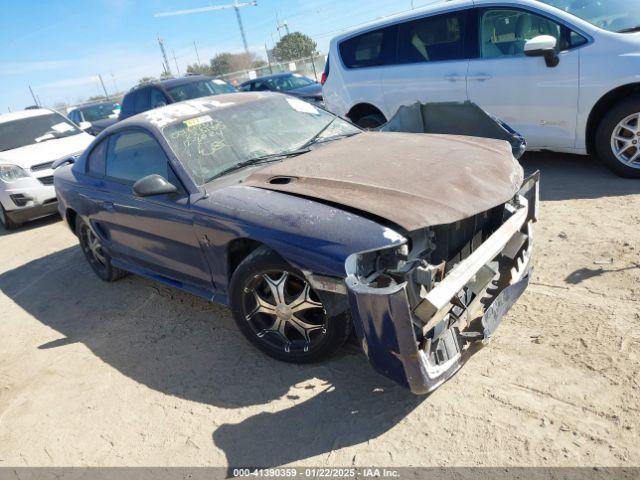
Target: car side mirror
<point>153,185</point>
<point>543,46</point>
<point>84,126</point>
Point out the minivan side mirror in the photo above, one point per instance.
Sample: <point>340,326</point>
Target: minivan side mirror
<point>543,46</point>
<point>153,185</point>
<point>84,126</point>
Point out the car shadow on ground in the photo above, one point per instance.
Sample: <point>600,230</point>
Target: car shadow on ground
<point>184,346</point>
<point>32,225</point>
<point>566,177</point>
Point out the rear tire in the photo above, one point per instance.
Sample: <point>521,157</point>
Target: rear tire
<point>371,122</point>
<point>99,260</point>
<point>279,312</point>
<point>618,138</point>
<point>7,223</point>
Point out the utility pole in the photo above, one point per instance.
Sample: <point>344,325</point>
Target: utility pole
<point>103,87</point>
<point>244,37</point>
<point>197,55</point>
<point>115,85</point>
<point>237,5</point>
<point>266,49</point>
<point>176,62</point>
<point>34,96</point>
<point>281,26</point>
<point>167,67</point>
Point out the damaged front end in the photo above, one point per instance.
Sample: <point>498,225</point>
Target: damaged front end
<point>422,308</point>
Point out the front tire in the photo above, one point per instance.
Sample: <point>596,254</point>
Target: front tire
<point>618,138</point>
<point>98,258</point>
<point>7,223</point>
<point>279,312</point>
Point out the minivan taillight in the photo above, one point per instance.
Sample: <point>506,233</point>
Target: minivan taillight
<point>325,74</point>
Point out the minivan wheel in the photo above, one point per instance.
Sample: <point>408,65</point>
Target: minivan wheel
<point>98,259</point>
<point>7,222</point>
<point>280,313</point>
<point>371,122</point>
<point>618,138</point>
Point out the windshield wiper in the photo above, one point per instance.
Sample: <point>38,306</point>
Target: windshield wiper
<point>630,29</point>
<point>315,138</point>
<point>259,160</point>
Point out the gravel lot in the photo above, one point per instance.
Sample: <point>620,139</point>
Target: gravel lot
<point>135,373</point>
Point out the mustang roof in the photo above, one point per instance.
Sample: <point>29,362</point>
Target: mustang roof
<point>163,116</point>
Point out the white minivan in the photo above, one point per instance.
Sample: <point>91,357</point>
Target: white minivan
<point>30,141</point>
<point>563,73</point>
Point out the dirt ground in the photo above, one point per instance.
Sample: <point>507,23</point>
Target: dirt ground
<point>135,373</point>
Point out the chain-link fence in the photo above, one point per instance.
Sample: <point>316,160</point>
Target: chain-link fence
<point>311,67</point>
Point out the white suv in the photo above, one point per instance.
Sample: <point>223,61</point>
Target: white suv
<point>564,73</point>
<point>30,141</point>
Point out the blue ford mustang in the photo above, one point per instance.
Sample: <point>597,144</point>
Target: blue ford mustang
<point>308,227</point>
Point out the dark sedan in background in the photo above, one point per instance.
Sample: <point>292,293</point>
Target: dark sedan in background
<point>159,93</point>
<point>95,117</point>
<point>289,83</point>
<point>307,227</point>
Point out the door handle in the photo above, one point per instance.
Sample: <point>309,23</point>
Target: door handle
<point>107,205</point>
<point>455,78</point>
<point>481,77</point>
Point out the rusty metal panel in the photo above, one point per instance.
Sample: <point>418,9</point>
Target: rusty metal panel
<point>413,181</point>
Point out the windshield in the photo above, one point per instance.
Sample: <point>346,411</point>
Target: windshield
<point>100,111</point>
<point>204,88</point>
<point>290,82</point>
<point>27,131</point>
<point>220,139</point>
<point>613,15</point>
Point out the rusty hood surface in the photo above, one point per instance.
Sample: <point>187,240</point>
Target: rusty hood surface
<point>411,180</point>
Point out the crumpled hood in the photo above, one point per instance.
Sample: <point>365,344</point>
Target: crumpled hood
<point>48,151</point>
<point>412,180</point>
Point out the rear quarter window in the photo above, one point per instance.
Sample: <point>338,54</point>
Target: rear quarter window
<point>96,164</point>
<point>370,49</point>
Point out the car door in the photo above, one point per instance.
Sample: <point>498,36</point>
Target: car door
<point>432,61</point>
<point>538,101</point>
<point>152,234</point>
<point>364,57</point>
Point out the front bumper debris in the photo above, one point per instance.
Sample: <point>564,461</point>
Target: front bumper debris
<point>421,344</point>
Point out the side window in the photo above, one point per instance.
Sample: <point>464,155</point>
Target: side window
<point>503,32</point>
<point>96,160</point>
<point>142,103</point>
<point>432,39</point>
<point>370,49</point>
<point>575,39</point>
<point>133,155</point>
<point>158,98</point>
<point>128,103</point>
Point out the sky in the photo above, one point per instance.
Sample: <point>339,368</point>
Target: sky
<point>58,47</point>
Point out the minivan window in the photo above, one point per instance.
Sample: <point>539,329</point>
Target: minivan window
<point>504,32</point>
<point>612,15</point>
<point>370,49</point>
<point>432,39</point>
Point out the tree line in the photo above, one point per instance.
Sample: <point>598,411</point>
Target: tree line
<point>292,46</point>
